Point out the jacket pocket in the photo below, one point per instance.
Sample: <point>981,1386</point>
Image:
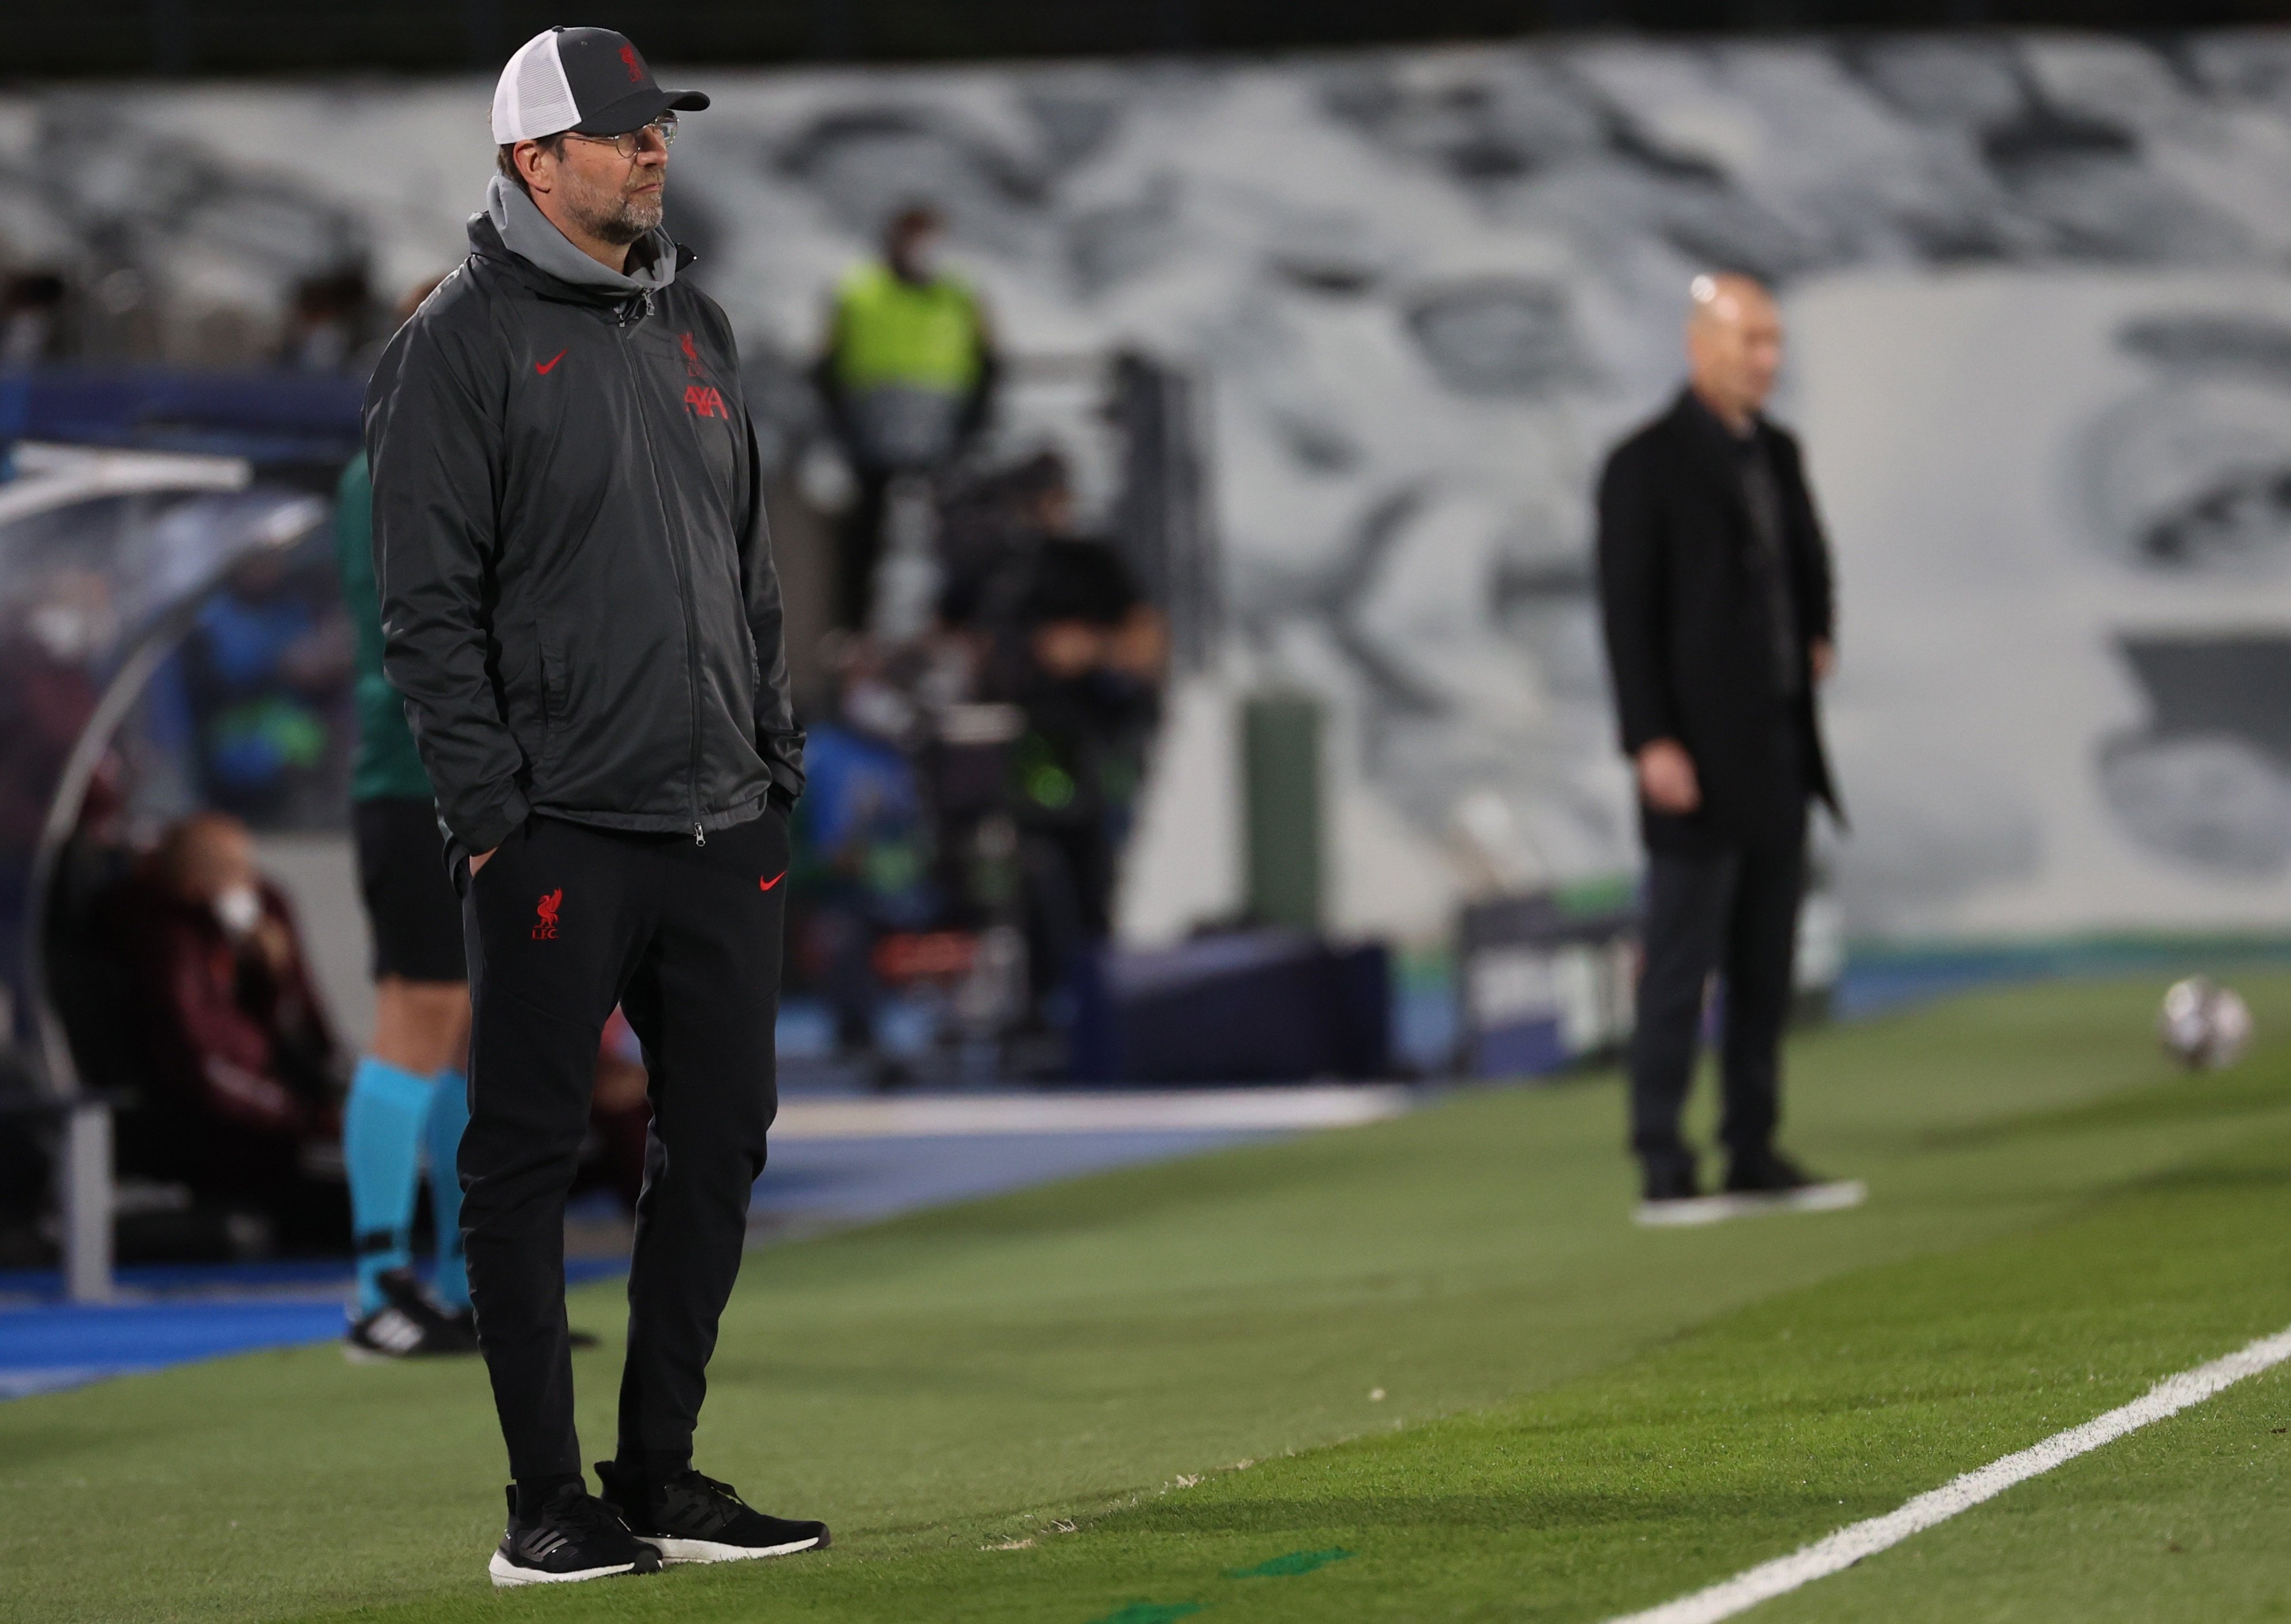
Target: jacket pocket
<point>520,681</point>
<point>555,695</point>
<point>552,684</point>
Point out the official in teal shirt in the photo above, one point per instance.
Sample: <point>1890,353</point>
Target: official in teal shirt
<point>408,1097</point>
<point>387,766</point>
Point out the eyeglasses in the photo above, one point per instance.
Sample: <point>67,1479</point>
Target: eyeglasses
<point>628,143</point>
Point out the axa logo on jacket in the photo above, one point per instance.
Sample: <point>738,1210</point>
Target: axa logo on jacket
<point>701,399</point>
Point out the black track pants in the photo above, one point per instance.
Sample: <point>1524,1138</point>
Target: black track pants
<point>1735,913</point>
<point>565,921</point>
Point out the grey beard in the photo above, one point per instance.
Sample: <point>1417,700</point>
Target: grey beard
<point>626,223</point>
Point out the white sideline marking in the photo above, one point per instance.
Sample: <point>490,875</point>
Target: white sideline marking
<point>961,1115</point>
<point>1850,1544</point>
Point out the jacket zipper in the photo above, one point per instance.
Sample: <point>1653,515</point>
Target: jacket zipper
<point>676,566</point>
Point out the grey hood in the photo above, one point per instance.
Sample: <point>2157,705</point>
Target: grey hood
<point>527,232</point>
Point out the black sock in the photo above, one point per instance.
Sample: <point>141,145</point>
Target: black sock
<point>535,1492</point>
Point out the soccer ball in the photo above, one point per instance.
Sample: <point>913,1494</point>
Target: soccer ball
<point>2203,1026</point>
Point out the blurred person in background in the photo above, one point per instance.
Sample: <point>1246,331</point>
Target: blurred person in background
<point>266,670</point>
<point>581,610</point>
<point>908,377</point>
<point>90,982</point>
<point>861,842</point>
<point>327,326</point>
<point>35,306</point>
<point>1070,640</point>
<point>993,523</point>
<point>408,1099</point>
<point>53,636</point>
<point>1715,588</point>
<point>245,1096</point>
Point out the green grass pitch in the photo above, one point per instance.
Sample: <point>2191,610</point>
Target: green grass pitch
<point>1421,1371</point>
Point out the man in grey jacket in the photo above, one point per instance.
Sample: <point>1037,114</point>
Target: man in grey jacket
<point>581,613</point>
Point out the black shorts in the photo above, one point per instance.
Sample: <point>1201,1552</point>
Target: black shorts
<point>409,900</point>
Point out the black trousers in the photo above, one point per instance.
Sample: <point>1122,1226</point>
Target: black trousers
<point>1067,874</point>
<point>859,549</point>
<point>565,921</point>
<point>1733,911</point>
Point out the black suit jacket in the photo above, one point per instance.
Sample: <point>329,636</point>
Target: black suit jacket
<point>1689,639</point>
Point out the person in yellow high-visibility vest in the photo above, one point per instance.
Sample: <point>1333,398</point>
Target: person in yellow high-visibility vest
<point>907,375</point>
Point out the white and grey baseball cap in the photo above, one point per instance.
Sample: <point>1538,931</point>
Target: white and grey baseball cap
<point>592,80</point>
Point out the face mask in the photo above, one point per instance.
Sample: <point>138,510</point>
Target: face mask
<point>924,261</point>
<point>239,909</point>
<point>68,634</point>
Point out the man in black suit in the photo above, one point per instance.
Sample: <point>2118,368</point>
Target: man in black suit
<point>1714,581</point>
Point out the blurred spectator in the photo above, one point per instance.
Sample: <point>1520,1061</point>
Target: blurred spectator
<point>994,522</point>
<point>266,667</point>
<point>241,1067</point>
<point>862,846</point>
<point>89,981</point>
<point>47,695</point>
<point>34,307</point>
<point>328,326</point>
<point>1074,644</point>
<point>907,377</point>
<point>87,987</point>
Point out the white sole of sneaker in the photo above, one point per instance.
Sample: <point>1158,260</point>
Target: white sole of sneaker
<point>1717,1209</point>
<point>356,1353</point>
<point>507,1575</point>
<point>702,1550</point>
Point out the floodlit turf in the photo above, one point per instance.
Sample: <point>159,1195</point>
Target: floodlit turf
<point>1578,1417</point>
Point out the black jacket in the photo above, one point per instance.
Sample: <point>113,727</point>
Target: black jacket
<point>1689,639</point>
<point>579,603</point>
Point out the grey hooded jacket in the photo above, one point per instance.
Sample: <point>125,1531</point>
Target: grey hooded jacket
<point>579,603</point>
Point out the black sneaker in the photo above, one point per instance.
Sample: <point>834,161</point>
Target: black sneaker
<point>692,1518</point>
<point>1768,1173</point>
<point>1664,1181</point>
<point>406,1326</point>
<point>576,1536</point>
<point>1771,1182</point>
